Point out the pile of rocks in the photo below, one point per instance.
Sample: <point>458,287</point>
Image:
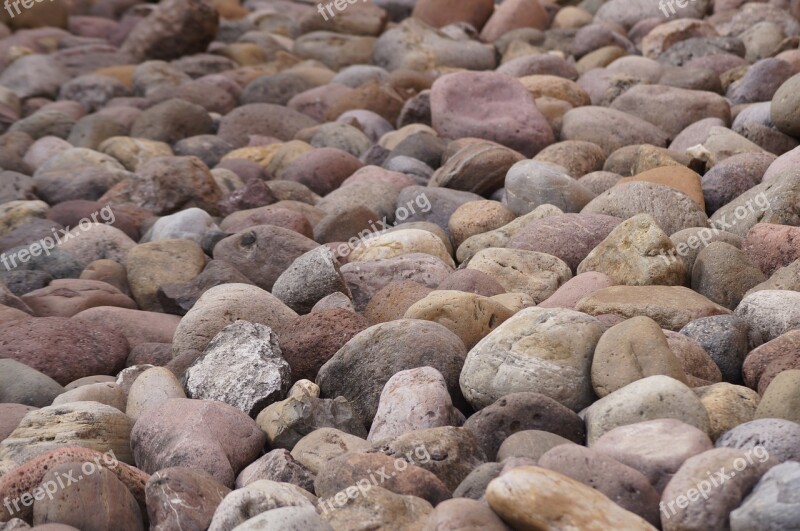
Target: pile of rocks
<point>400,264</point>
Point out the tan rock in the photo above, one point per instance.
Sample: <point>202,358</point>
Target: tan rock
<point>536,274</point>
<point>65,297</point>
<point>477,217</point>
<point>728,405</point>
<point>152,387</point>
<point>398,243</point>
<point>556,87</point>
<point>680,178</point>
<point>154,264</point>
<point>107,393</point>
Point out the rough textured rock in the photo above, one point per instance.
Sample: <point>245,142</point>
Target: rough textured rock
<point>182,497</point>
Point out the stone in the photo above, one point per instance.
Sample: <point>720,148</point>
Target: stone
<point>151,388</point>
<point>286,518</point>
<point>258,497</point>
<point>529,444</point>
<point>650,398</point>
<point>479,167</point>
<point>783,111</point>
<point>108,393</point>
<point>311,277</point>
<point>530,184</point>
<point>377,508</point>
<point>86,424</point>
<point>656,448</point>
<point>174,29</point>
<point>264,119</point>
<point>458,113</point>
<point>180,298</point>
<point>517,353</point>
<point>552,499</point>
<point>579,158</point>
<point>536,274</point>
<point>635,253</point>
<point>575,289</point>
<point>79,506</point>
<point>412,400</point>
<point>630,351</point>
<point>249,355</point>
<point>189,224</point>
<point>83,350</point>
<point>21,384</point>
<point>728,406</point>
<point>471,317</point>
<point>354,468</point>
<point>781,397</point>
<point>385,349</point>
<point>152,265</point>
<point>324,444</point>
<point>400,242</point>
<point>717,505</point>
<point>724,274</point>
<point>765,505</point>
<point>672,307</point>
<point>769,314</point>
<point>610,129</point>
<point>698,365</point>
<point>179,496</point>
<point>277,465</point>
<point>765,362</point>
<point>448,452</point>
<point>477,217</point>
<point>135,326</point>
<point>671,209</point>
<point>771,247</point>
<point>732,177</point>
<point>206,435</point>
<point>12,415</point>
<point>461,513</point>
<point>777,436</point>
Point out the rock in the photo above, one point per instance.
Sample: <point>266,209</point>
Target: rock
<point>765,506</point>
<point>610,129</point>
<point>256,498</point>
<point>464,514</point>
<point>783,111</point>
<point>575,289</point>
<point>385,349</point>
<point>630,351</point>
<point>248,353</point>
<point>288,421</point>
<point>471,317</point>
<point>656,448</point>
<point>450,453</point>
<point>193,497</point>
<point>12,415</point>
<point>152,265</point>
<point>536,274</point>
<point>117,507</point>
<point>86,424</point>
<point>472,281</point>
<point>400,242</point>
<point>725,340</point>
<point>554,499</point>
<point>763,363</point>
<point>376,508</point>
<point>286,518</point>
<point>477,217</point>
<point>671,209</point>
<point>21,384</point>
<point>479,167</point>
<point>210,436</point>
<point>151,388</point>
<point>458,113</point>
<point>530,184</point>
<point>366,279</point>
<point>728,406</point>
<point>414,45</point>
<point>84,350</point>
<point>180,298</point>
<point>510,359</point>
<point>263,119</point>
<point>718,500</point>
<point>411,400</point>
<point>324,444</point>
<point>529,444</point>
<point>636,253</point>
<point>134,152</point>
<point>724,274</point>
<point>311,277</point>
<point>769,314</point>
<point>322,170</point>
<point>277,465</point>
<point>107,393</point>
<point>174,29</point>
<point>771,247</point>
<point>624,485</point>
<point>135,326</point>
<point>699,367</point>
<point>353,469</point>
<point>650,398</point>
<point>781,397</point>
<point>672,307</point>
<point>777,436</point>
<point>732,177</point>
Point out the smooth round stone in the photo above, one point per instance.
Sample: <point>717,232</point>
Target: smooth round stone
<point>277,465</point>
<point>308,279</point>
<point>699,367</point>
<point>770,359</point>
<point>106,393</point>
<point>771,246</point>
<point>535,274</point>
<point>25,385</point>
<point>728,406</point>
<point>152,265</point>
<point>593,124</point>
<point>242,504</point>
<point>576,288</point>
<point>392,301</point>
<point>715,509</point>
<point>324,444</point>
<point>132,152</point>
<point>262,119</point>
<point>491,97</point>
<point>401,242</point>
<point>784,107</point>
<point>781,398</point>
<point>473,12</point>
<point>530,184</point>
<point>577,157</point>
<point>782,164</point>
<point>769,313</point>
<point>755,124</point>
<point>777,436</point>
<point>765,506</point>
<point>462,513</point>
<point>152,388</point>
<point>171,121</point>
<point>384,349</point>
<point>182,496</point>
<point>511,358</point>
<point>529,444</point>
<point>631,351</point>
<point>189,224</point>
<point>67,297</point>
<point>134,325</point>
<point>12,415</point>
<point>471,317</point>
<point>732,177</point>
<point>472,281</point>
<point>478,166</point>
<point>650,398</point>
<point>656,448</point>
<point>625,486</point>
<point>528,497</point>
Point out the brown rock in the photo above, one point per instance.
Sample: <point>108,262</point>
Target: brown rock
<point>66,297</point>
<point>680,178</point>
<point>515,14</point>
<point>181,497</point>
<point>135,326</point>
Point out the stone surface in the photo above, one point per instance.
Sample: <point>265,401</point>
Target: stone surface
<point>179,496</point>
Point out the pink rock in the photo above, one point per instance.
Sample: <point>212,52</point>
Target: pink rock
<point>771,247</point>
<point>514,14</point>
<point>491,106</point>
<point>68,296</point>
<point>788,161</point>
<point>568,295</point>
<point>135,325</point>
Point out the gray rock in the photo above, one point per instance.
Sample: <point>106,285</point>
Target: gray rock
<point>286,519</point>
<point>781,438</point>
<point>724,337</point>
<point>310,278</point>
<point>277,465</point>
<point>773,503</point>
<point>256,498</point>
<point>769,314</point>
<point>20,384</point>
<point>242,366</point>
<point>530,184</point>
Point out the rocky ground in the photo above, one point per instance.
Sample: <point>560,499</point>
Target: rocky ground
<point>400,265</point>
